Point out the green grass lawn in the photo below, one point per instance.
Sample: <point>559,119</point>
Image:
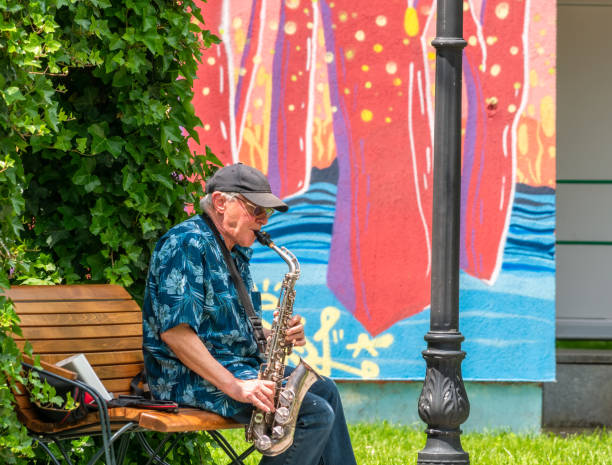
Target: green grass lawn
<point>383,444</point>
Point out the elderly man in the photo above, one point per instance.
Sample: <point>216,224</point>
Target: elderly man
<point>199,346</point>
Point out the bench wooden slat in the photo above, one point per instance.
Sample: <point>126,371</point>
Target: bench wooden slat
<point>117,385</point>
<point>50,367</point>
<point>187,420</point>
<point>81,306</point>
<point>76,346</point>
<point>80,332</point>
<point>102,358</point>
<point>80,319</point>
<point>68,292</point>
<point>118,371</point>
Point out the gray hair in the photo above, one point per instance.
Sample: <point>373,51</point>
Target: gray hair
<point>206,203</point>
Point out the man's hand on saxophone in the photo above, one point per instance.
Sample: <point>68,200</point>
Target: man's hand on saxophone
<point>295,332</point>
<point>257,392</point>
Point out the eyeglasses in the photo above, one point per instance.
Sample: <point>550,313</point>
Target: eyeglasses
<point>255,210</point>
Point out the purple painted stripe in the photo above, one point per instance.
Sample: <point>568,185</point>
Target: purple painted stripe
<point>245,55</point>
<point>277,92</point>
<point>340,269</point>
<point>469,178</point>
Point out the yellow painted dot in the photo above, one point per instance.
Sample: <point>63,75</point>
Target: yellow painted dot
<point>350,54</point>
<point>377,48</point>
<point>517,85</point>
<point>211,61</point>
<point>406,41</point>
<point>365,68</point>
<point>431,56</point>
<point>273,25</point>
<point>531,110</point>
<point>347,91</point>
<point>547,114</point>
<point>329,57</point>
<point>551,71</point>
<point>533,78</point>
<point>537,17</point>
<point>206,91</point>
<point>411,22</point>
<point>512,108</point>
<point>343,16</point>
<point>258,102</point>
<point>552,152</point>
<point>308,25</point>
<point>306,11</point>
<point>366,115</point>
<point>368,85</point>
<point>293,77</point>
<point>290,28</point>
<point>207,127</point>
<point>291,107</point>
<point>397,82</point>
<point>491,101</point>
<point>360,35</point>
<point>381,20</point>
<point>334,109</point>
<point>543,32</point>
<point>491,40</point>
<point>514,50</point>
<point>292,4</point>
<point>502,10</point>
<point>387,120</point>
<point>540,50</point>
<point>495,70</point>
<point>391,67</point>
<point>242,71</point>
<point>237,22</point>
<point>472,40</point>
<point>481,67</point>
<point>320,87</point>
<point>466,6</point>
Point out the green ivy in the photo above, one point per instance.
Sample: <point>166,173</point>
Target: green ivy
<point>95,118</point>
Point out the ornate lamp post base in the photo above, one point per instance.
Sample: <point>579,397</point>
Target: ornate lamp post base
<point>443,403</point>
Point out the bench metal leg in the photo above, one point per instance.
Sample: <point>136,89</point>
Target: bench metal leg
<point>229,450</point>
<point>48,451</point>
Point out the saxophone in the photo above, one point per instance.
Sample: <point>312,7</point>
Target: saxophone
<point>272,433</point>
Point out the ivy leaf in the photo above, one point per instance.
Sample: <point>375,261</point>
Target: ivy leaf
<point>12,95</point>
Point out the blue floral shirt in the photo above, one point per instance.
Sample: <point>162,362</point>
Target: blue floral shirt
<point>190,283</point>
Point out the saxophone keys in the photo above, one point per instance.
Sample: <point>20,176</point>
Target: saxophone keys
<point>282,415</point>
<point>286,397</point>
<point>263,442</point>
<point>258,417</point>
<point>278,432</point>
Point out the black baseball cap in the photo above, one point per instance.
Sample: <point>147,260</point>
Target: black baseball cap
<point>247,181</point>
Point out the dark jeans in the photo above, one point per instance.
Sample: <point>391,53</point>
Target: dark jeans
<point>321,435</point>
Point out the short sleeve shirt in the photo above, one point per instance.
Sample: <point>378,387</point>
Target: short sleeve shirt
<point>189,282</point>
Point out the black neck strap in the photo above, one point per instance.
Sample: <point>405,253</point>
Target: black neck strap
<point>243,294</point>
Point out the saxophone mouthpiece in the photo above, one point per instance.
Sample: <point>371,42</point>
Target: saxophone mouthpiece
<point>263,238</point>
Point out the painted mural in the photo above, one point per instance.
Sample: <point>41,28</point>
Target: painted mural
<point>333,100</point>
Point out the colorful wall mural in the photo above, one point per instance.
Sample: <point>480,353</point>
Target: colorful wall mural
<point>333,100</point>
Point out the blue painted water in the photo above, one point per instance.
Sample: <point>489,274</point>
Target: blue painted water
<point>508,327</point>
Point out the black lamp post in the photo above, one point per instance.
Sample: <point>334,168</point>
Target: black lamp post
<point>443,403</point>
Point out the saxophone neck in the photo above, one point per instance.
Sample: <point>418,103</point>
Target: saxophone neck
<point>291,260</point>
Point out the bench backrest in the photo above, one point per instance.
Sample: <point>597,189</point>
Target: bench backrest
<point>101,321</point>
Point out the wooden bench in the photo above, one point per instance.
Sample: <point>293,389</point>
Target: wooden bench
<point>104,323</point>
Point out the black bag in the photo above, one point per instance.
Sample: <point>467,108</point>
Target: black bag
<point>59,414</point>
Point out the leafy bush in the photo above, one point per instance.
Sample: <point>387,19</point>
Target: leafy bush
<point>95,117</point>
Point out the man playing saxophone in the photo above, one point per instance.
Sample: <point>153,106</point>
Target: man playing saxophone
<point>199,345</point>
